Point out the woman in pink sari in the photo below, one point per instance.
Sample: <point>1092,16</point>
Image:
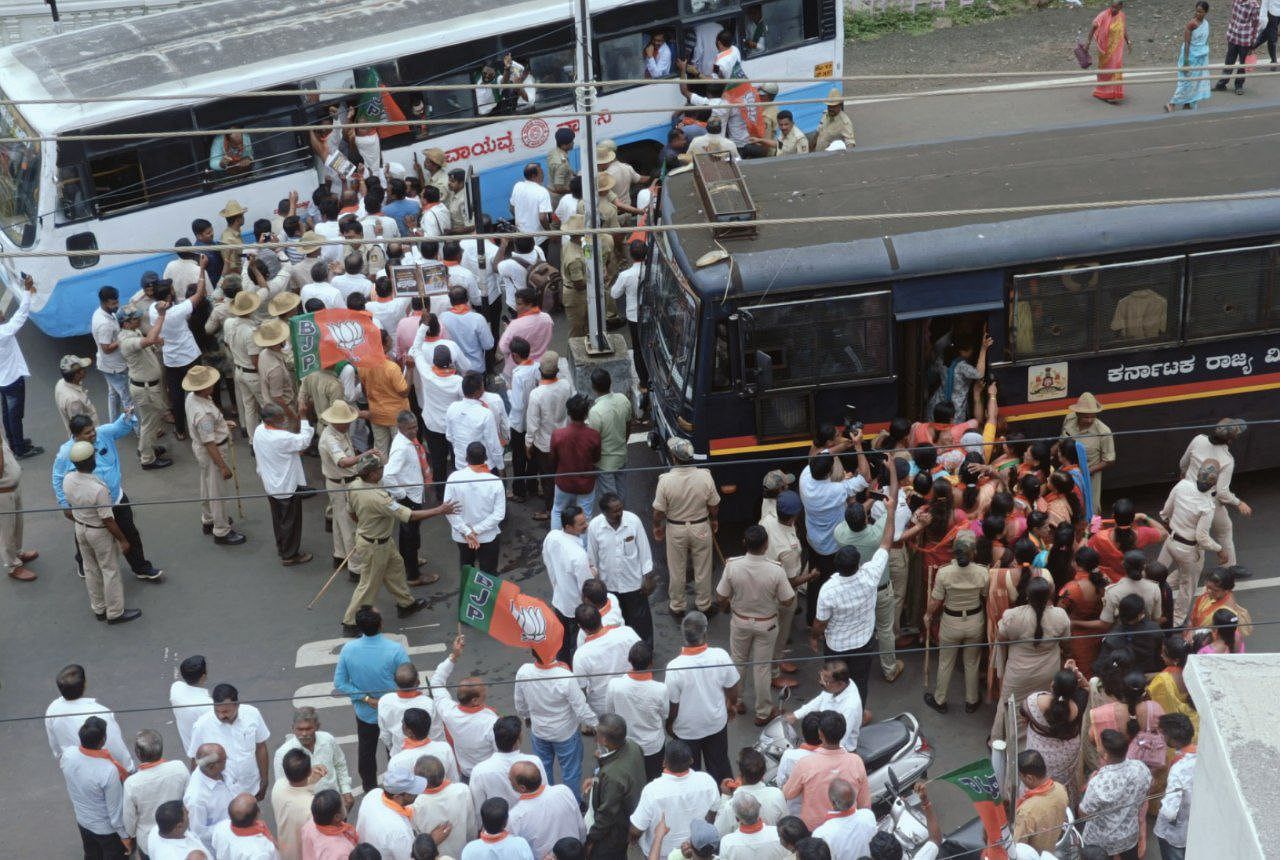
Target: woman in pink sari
<point>1112,37</point>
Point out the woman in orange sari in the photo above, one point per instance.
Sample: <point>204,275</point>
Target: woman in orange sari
<point>1219,593</point>
<point>1111,36</point>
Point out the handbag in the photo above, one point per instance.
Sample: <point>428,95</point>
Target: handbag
<point>1081,51</point>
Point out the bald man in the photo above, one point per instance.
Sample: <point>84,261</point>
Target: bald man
<point>207,795</point>
<point>468,720</point>
<point>391,709</point>
<point>544,814</point>
<point>243,835</point>
<point>443,802</point>
<point>847,831</point>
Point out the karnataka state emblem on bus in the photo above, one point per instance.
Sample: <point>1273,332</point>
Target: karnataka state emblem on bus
<point>1046,381</point>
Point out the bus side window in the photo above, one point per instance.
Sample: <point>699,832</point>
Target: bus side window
<point>721,371</point>
<point>232,159</point>
<point>1233,291</point>
<point>130,173</point>
<point>450,65</point>
<point>74,190</point>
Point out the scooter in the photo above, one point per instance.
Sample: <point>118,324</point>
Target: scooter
<point>896,741</point>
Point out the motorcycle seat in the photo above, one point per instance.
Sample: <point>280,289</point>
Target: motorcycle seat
<point>878,742</point>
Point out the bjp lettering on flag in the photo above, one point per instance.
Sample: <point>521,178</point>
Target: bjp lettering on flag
<point>379,106</point>
<point>324,338</point>
<point>978,781</point>
<point>507,614</point>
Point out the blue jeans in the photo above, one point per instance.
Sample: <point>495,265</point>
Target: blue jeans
<point>569,752</point>
<point>562,500</point>
<point>612,482</point>
<point>13,399</point>
<point>118,397</point>
<point>1171,852</point>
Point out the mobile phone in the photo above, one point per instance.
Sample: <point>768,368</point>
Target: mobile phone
<point>851,423</point>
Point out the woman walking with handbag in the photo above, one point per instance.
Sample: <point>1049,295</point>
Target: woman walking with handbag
<point>1111,35</point>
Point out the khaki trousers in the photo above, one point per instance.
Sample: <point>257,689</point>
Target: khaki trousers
<point>899,570</point>
<point>213,510</point>
<point>753,641</point>
<point>382,438</point>
<point>248,400</point>
<point>10,529</point>
<point>575,310</point>
<point>101,570</point>
<point>344,528</point>
<point>786,615</point>
<point>685,544</point>
<point>381,565</point>
<point>1224,533</point>
<point>969,632</point>
<point>148,401</point>
<point>885,639</point>
<point>1185,564</point>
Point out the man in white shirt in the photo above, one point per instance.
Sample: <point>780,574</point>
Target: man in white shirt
<point>172,838</point>
<point>847,830</point>
<point>460,275</point>
<point>618,548</point>
<point>513,268</point>
<point>1175,808</point>
<point>14,373</point>
<point>374,222</point>
<point>391,708</point>
<point>601,656</point>
<point>595,593</point>
<point>770,804</point>
<point>439,387</point>
<point>188,698</point>
<point>404,478</point>
<point>548,696</point>
<point>179,350</point>
<point>657,56</point>
<point>496,842</point>
<point>352,279</point>
<point>436,220</point>
<point>753,839</point>
<point>93,782</point>
<point>208,792</point>
<point>470,420</point>
<point>328,761</point>
<point>416,726</point>
<point>66,714</point>
<point>482,504</point>
<point>469,722</point>
<point>567,567</point>
<point>156,781</point>
<point>531,203</point>
<point>492,777</point>
<point>443,801</point>
<point>386,814</point>
<point>242,734</point>
<point>680,796</point>
<point>546,412</point>
<point>644,704</point>
<point>838,694</point>
<point>321,289</point>
<point>810,740</point>
<point>626,289</point>
<point>278,459</point>
<point>1189,510</point>
<point>703,686</point>
<point>243,835</point>
<point>110,361</point>
<point>544,814</point>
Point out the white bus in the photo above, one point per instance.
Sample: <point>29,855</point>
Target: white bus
<point>25,20</point>
<point>113,194</point>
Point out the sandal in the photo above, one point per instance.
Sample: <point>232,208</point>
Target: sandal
<point>423,580</point>
<point>300,558</point>
<point>541,517</point>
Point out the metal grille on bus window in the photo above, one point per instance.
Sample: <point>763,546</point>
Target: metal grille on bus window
<point>784,416</point>
<point>824,340</point>
<point>1054,315</point>
<point>1233,291</point>
<point>1139,304</point>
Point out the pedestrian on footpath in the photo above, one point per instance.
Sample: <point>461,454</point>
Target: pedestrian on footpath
<point>1111,34</point>
<point>145,383</point>
<point>686,515</point>
<point>1242,33</point>
<point>1271,9</point>
<point>277,451</point>
<point>97,536</point>
<point>14,373</point>
<point>367,666</point>
<point>210,444</point>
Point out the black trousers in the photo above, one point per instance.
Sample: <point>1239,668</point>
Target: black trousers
<point>367,754</point>
<point>712,754</point>
<point>653,766</point>
<point>826,565</point>
<point>177,397</point>
<point>492,312</point>
<point>409,540</point>
<point>137,558</point>
<point>521,486</point>
<point>286,522</point>
<point>636,613</point>
<point>859,661</point>
<point>1235,54</point>
<point>569,643</point>
<point>642,372</point>
<point>13,402</point>
<point>438,451</point>
<point>485,557</point>
<point>1268,35</point>
<point>98,846</point>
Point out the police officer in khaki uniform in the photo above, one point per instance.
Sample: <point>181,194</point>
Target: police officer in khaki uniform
<point>456,202</point>
<point>234,213</point>
<point>686,511</point>
<point>237,334</point>
<point>337,463</point>
<point>434,161</point>
<point>97,536</point>
<point>957,592</point>
<point>576,271</point>
<point>321,389</point>
<point>210,436</point>
<point>834,125</point>
<point>378,517</point>
<point>559,171</point>
<point>754,588</point>
<point>275,379</point>
<point>146,382</point>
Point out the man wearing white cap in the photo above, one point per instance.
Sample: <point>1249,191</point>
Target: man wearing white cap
<point>97,536</point>
<point>210,436</point>
<point>386,814</point>
<point>1082,425</point>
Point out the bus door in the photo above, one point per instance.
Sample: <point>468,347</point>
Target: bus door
<point>935,318</point>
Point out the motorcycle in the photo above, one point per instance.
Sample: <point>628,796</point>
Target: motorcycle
<point>896,741</point>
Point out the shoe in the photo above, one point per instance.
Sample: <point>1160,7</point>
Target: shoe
<point>933,703</point>
<point>1240,571</point>
<point>158,463</point>
<point>350,631</point>
<point>101,616</point>
<point>337,562</point>
<point>352,575</point>
<point>159,450</point>
<point>417,606</point>
<point>893,674</point>
<point>1221,88</point>
<point>763,721</point>
<point>328,525</point>
<point>231,538</point>
<point>781,683</point>
<point>207,528</point>
<point>33,451</point>
<point>153,575</point>
<point>21,574</point>
<point>1239,91</point>
<point>126,616</point>
<point>711,611</point>
<point>677,614</point>
<point>80,572</point>
<point>300,558</point>
<point>789,668</point>
<point>970,707</point>
<point>28,555</point>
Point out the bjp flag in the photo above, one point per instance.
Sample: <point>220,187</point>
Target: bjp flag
<point>507,614</point>
<point>324,338</point>
<point>379,106</point>
<point>978,781</point>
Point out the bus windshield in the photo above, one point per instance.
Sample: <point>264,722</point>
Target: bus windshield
<point>19,178</point>
<point>675,316</point>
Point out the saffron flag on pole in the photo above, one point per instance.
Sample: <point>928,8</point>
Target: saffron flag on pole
<point>509,615</point>
<point>379,106</point>
<point>739,92</point>
<point>978,780</point>
<point>324,338</point>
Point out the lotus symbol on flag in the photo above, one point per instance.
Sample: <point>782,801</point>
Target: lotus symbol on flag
<point>533,626</point>
<point>347,334</point>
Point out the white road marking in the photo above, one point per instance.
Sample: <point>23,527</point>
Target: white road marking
<point>324,652</point>
<point>318,695</point>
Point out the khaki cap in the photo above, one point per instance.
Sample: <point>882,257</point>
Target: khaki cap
<point>339,412</point>
<point>368,460</point>
<point>605,155</point>
<point>200,377</point>
<point>69,363</point>
<point>80,451</point>
<point>573,222</point>
<point>245,303</point>
<point>232,209</point>
<point>270,333</point>
<point>604,182</point>
<point>310,242</point>
<point>283,303</point>
<point>436,156</point>
<point>835,97</point>
<point>1087,404</point>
